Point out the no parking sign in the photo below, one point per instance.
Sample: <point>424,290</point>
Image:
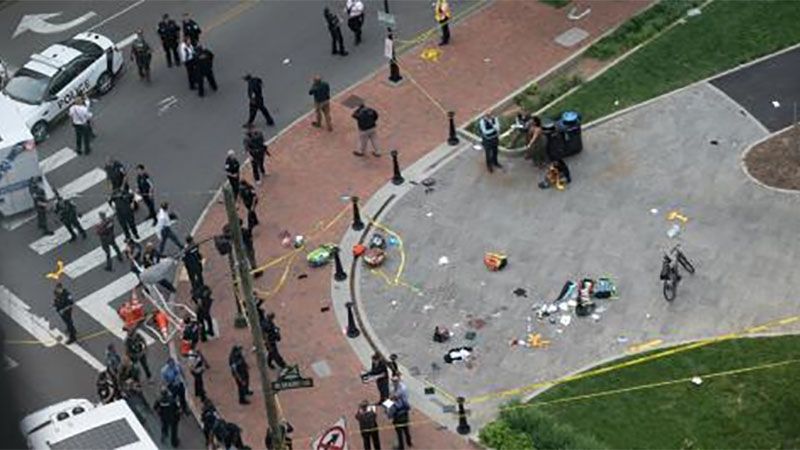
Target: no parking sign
<point>333,438</point>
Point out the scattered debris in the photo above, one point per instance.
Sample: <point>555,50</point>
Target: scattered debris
<point>320,255</point>
<point>713,142</point>
<point>392,241</point>
<point>429,214</point>
<point>520,292</point>
<point>776,104</point>
<point>654,211</point>
<point>647,316</point>
<point>470,335</point>
<point>457,354</point>
<point>495,261</point>
<point>345,198</point>
<point>298,241</point>
<point>496,315</point>
<point>441,334</point>
<point>676,215</point>
<point>596,317</point>
<point>325,309</point>
<point>302,276</point>
<point>374,257</point>
<point>477,147</point>
<point>428,182</point>
<point>476,323</point>
<point>426,308</point>
<point>429,391</point>
<point>697,381</point>
<point>487,60</point>
<point>674,231</point>
<point>393,303</point>
<point>286,238</point>
<point>616,102</point>
<point>286,61</point>
<point>693,12</point>
<point>444,260</point>
<point>622,339</point>
<point>565,320</point>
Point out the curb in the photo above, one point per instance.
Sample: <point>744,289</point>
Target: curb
<point>755,180</point>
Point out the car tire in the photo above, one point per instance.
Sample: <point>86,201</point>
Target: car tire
<point>39,130</point>
<point>104,83</point>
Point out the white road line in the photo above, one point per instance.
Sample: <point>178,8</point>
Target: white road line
<point>82,183</point>
<point>126,42</point>
<point>97,304</point>
<point>10,363</point>
<point>19,312</point>
<point>61,235</point>
<point>114,16</point>
<point>81,353</point>
<point>57,160</point>
<point>97,256</point>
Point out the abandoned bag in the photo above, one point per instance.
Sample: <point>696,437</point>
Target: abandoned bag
<point>320,255</point>
<point>377,241</point>
<point>495,261</point>
<point>374,257</point>
<point>604,288</point>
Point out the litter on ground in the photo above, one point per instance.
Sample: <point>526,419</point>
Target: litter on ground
<point>444,260</point>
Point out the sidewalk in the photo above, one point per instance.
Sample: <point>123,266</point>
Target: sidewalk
<point>492,53</point>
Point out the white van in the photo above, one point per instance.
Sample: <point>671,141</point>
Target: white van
<point>19,162</point>
<point>77,424</point>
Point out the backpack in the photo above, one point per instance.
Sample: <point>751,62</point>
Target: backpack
<point>604,288</point>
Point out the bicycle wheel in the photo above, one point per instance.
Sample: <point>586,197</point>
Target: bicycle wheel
<point>685,263</point>
<point>670,289</point>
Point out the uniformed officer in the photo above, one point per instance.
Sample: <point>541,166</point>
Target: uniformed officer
<point>169,32</point>
<point>250,200</point>
<point>115,172</point>
<point>136,349</point>
<point>198,366</point>
<point>335,28</point>
<point>273,335</point>
<point>105,231</point>
<point>258,151</point>
<point>256,100</point>
<point>122,201</point>
<point>241,373</point>
<point>68,215</point>
<point>168,411</point>
<point>204,70</point>
<point>191,29</point>
<point>193,261</point>
<point>442,15</point>
<point>172,374</point>
<point>63,303</point>
<point>145,187</point>
<point>40,204</point>
<point>232,172</point>
<point>202,297</point>
<point>142,54</point>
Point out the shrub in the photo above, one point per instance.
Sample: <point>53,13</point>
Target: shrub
<point>499,436</point>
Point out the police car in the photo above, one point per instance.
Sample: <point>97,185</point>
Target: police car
<point>45,87</point>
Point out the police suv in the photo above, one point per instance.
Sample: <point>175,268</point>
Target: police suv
<point>45,87</point>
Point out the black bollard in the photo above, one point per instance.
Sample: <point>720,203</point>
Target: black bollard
<point>452,139</point>
<point>463,426</point>
<point>358,225</point>
<point>340,274</point>
<point>397,178</point>
<point>352,331</point>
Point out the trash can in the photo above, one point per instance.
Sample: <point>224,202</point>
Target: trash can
<point>570,128</point>
<point>555,140</point>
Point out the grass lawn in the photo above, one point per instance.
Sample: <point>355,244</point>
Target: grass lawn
<point>726,34</point>
<point>758,409</point>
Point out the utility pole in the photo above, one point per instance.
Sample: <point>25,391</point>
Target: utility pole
<point>252,315</point>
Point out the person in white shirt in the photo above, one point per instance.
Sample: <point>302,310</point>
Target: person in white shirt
<point>189,59</point>
<point>355,18</point>
<point>164,228</point>
<point>80,116</point>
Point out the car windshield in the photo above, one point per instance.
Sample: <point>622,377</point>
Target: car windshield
<point>90,48</point>
<point>27,86</point>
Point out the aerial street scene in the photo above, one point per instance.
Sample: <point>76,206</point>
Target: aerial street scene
<point>427,224</point>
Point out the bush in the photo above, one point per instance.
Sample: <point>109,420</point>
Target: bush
<point>499,436</point>
<point>640,28</point>
<point>535,98</point>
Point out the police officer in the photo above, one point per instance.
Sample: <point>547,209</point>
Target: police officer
<point>142,54</point>
<point>209,418</point>
<point>241,373</point>
<point>193,261</point>
<point>191,29</point>
<point>169,32</point>
<point>273,336</point>
<point>68,215</point>
<point>172,375</point>
<point>63,304</point>
<point>144,185</point>
<point>250,200</point>
<point>335,28</point>
<point>490,140</point>
<point>232,172</point>
<point>258,150</point>
<point>198,366</point>
<point>256,98</point>
<point>122,201</point>
<point>204,61</point>
<point>136,350</point>
<point>105,231</point>
<point>368,426</point>
<point>115,172</point>
<point>202,297</point>
<point>188,56</point>
<point>168,411</point>
<point>40,204</point>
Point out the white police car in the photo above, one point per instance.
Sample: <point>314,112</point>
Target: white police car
<point>45,87</point>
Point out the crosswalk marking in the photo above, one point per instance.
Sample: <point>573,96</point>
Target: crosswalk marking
<point>97,304</point>
<point>10,363</point>
<point>82,183</point>
<point>97,256</point>
<point>61,235</point>
<point>20,313</point>
<point>57,160</point>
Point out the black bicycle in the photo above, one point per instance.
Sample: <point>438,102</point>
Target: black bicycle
<point>670,273</point>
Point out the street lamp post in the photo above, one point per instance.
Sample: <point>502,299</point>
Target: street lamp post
<point>394,69</point>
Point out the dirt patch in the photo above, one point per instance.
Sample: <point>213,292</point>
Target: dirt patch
<point>776,161</point>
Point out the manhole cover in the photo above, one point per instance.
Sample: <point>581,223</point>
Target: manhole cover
<point>352,101</point>
<point>571,37</point>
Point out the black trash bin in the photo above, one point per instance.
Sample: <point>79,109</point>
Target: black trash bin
<point>570,129</point>
<point>555,140</point>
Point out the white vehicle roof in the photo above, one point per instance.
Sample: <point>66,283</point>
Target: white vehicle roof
<point>56,56</point>
<point>78,424</point>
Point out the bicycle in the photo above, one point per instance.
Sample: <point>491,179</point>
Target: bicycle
<point>670,272</point>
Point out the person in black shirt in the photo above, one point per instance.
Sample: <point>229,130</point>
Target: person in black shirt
<point>203,300</point>
<point>40,204</point>
<point>273,335</point>
<point>191,29</point>
<point>335,28</point>
<point>256,99</point>
<point>136,350</point>
<point>250,200</point>
<point>193,261</point>
<point>232,172</point>
<point>322,105</point>
<point>258,151</point>
<point>142,55</point>
<point>380,372</point>
<point>204,70</point>
<point>68,214</point>
<point>241,373</point>
<point>122,201</point>
<point>115,172</point>
<point>63,304</point>
<point>168,411</point>
<point>367,121</point>
<point>105,231</point>
<point>368,426</point>
<point>169,32</point>
<point>145,187</point>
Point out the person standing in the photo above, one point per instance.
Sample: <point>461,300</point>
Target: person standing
<point>80,116</point>
<point>380,372</point>
<point>250,199</point>
<point>172,375</point>
<point>136,350</point>
<point>273,336</point>
<point>191,29</point>
<point>169,32</point>
<point>167,408</point>
<point>203,300</point>
<point>367,120</point>
<point>355,18</point>
<point>144,186</point>
<point>287,429</point>
<point>188,57</point>
<point>204,70</point>
<point>232,171</point>
<point>335,29</point>
<point>164,220</point>
<point>442,15</point>
<point>368,425</point>
<point>122,201</point>
<point>141,54</point>
<point>241,373</point>
<point>105,231</point>
<point>536,147</point>
<point>258,150</point>
<point>198,366</point>
<point>40,205</point>
<point>63,304</point>
<point>115,172</point>
<point>193,261</point>
<point>399,388</point>
<point>321,92</point>
<point>399,412</point>
<point>490,140</point>
<point>255,96</point>
<point>112,359</point>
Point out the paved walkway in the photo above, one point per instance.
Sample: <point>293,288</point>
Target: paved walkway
<point>313,168</point>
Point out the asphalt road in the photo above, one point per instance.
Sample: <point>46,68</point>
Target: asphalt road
<point>183,146</point>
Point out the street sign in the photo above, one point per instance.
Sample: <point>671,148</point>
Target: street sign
<point>291,379</point>
<point>386,18</point>
<point>388,48</point>
<point>334,438</point>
